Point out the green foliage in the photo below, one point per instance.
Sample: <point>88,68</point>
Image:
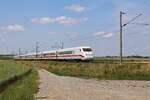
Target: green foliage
<point>23,89</point>
<point>9,69</point>
<point>115,59</point>
<point>4,58</point>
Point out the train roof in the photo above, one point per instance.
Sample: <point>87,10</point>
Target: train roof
<point>73,48</point>
<point>51,51</point>
<point>67,49</point>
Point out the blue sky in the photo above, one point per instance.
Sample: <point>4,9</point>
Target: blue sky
<point>93,23</point>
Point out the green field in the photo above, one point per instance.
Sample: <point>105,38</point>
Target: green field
<point>125,59</point>
<point>106,71</point>
<point>9,69</point>
<point>23,87</point>
<point>6,57</point>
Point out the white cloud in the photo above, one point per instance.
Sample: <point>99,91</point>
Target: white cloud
<point>108,35</point>
<point>99,33</point>
<point>75,8</point>
<point>10,28</point>
<point>67,20</point>
<point>15,27</point>
<point>103,34</point>
<point>44,20</point>
<point>60,20</point>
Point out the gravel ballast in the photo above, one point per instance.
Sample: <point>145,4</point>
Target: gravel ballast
<point>53,87</point>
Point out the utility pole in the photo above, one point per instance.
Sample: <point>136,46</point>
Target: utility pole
<point>121,36</point>
<point>36,49</point>
<point>121,27</point>
<point>19,53</point>
<point>59,45</point>
<point>62,45</point>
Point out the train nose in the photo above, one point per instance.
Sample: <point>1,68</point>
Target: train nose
<point>89,55</point>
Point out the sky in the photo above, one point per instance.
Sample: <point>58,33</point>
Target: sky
<point>93,23</point>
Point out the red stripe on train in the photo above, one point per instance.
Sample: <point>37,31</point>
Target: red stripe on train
<point>65,56</point>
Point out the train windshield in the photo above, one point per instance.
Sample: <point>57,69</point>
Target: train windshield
<point>87,49</point>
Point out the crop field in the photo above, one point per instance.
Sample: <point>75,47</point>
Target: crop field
<point>17,81</point>
<point>117,60</point>
<point>109,71</point>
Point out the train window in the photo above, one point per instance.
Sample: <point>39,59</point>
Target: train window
<point>66,52</point>
<point>44,55</point>
<point>49,54</point>
<point>52,54</point>
<point>87,49</point>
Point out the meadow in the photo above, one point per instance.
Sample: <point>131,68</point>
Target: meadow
<point>17,81</point>
<point>125,59</point>
<point>107,71</point>
<point>26,84</point>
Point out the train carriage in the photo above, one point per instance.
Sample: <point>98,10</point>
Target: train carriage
<point>77,53</point>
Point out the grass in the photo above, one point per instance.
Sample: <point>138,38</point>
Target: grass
<point>2,57</point>
<point>96,70</point>
<point>125,60</point>
<point>23,89</point>
<point>9,69</point>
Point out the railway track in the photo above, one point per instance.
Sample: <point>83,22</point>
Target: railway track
<point>92,61</point>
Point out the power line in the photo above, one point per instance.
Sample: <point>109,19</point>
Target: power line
<point>19,53</point>
<point>37,49</point>
<point>58,45</point>
<point>62,45</point>
<point>140,24</point>
<point>121,26</point>
<point>131,19</point>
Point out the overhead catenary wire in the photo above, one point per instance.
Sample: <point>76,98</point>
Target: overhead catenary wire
<point>131,20</point>
<point>140,24</point>
<point>37,49</point>
<point>121,27</point>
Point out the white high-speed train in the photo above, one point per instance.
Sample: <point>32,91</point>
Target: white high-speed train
<point>76,53</point>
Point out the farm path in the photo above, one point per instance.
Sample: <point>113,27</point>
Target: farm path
<point>53,87</point>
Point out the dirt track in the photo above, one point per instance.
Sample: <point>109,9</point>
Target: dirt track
<point>54,87</point>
